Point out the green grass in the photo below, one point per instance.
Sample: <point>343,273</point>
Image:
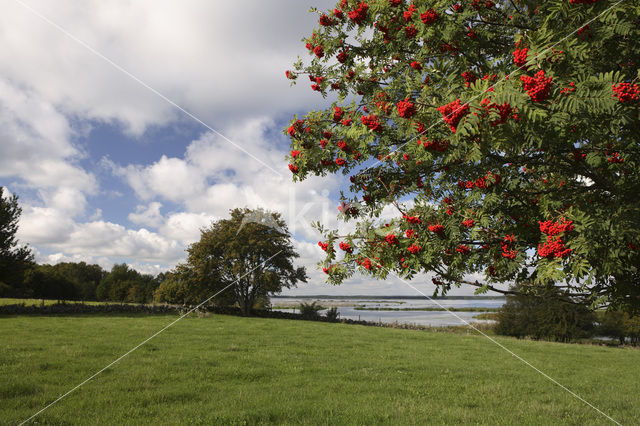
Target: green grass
<point>232,370</point>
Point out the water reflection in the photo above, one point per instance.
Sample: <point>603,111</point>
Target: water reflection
<point>346,308</point>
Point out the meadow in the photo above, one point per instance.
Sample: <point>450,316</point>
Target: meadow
<point>234,370</point>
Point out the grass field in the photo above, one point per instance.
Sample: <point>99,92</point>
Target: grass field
<point>233,370</point>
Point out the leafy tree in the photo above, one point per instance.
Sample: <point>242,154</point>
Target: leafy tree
<point>253,250</point>
<point>504,133</point>
<point>125,284</point>
<point>184,285</point>
<point>13,258</point>
<point>44,282</point>
<point>84,278</point>
<point>620,325</point>
<point>548,314</point>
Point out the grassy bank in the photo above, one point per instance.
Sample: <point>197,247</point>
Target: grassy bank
<point>224,369</point>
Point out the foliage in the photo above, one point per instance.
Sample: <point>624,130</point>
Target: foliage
<point>620,325</point>
<point>125,284</point>
<point>546,315</point>
<point>250,252</point>
<point>63,281</point>
<point>309,310</point>
<point>13,258</point>
<point>332,314</point>
<point>504,134</point>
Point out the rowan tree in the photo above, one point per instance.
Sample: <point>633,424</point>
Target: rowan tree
<point>504,133</point>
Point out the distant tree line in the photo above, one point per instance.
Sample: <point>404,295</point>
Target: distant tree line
<point>81,281</point>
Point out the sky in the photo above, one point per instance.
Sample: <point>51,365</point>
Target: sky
<point>126,127</point>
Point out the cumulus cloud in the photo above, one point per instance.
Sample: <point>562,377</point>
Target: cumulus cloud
<point>35,144</point>
<point>219,60</point>
<point>185,227</point>
<point>147,215</point>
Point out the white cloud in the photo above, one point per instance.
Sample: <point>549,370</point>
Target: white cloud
<point>185,227</point>
<point>41,225</point>
<point>35,143</point>
<point>147,215</point>
<point>217,59</point>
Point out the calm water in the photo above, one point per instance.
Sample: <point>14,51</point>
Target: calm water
<point>434,318</point>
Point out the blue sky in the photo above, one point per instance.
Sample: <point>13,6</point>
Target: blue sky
<point>108,169</point>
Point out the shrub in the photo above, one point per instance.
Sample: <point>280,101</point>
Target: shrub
<point>332,314</point>
<point>309,310</point>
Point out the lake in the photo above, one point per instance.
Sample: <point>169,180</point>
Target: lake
<point>346,308</point>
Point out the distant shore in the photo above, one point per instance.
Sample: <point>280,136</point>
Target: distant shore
<point>374,297</point>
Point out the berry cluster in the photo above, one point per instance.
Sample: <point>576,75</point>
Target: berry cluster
<point>625,92</point>
<point>414,249</point>
<point>410,31</point>
<point>505,245</point>
<point>615,158</point>
<point>391,239</point>
<point>463,249</point>
<point>346,247</point>
<point>438,229</point>
<point>554,246</point>
<point>481,182</point>
<point>439,146</point>
<point>323,246</point>
<point>505,111</point>
<point>412,219</point>
<point>382,104</point>
<point>567,90</point>
<point>406,108</point>
<point>520,56</point>
<point>429,17</point>
<point>372,122</point>
<point>337,114</point>
<point>537,87</point>
<point>325,21</point>
<point>359,14</point>
<point>453,112</point>
<point>554,228</point>
<point>477,4</point>
<point>469,78</point>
